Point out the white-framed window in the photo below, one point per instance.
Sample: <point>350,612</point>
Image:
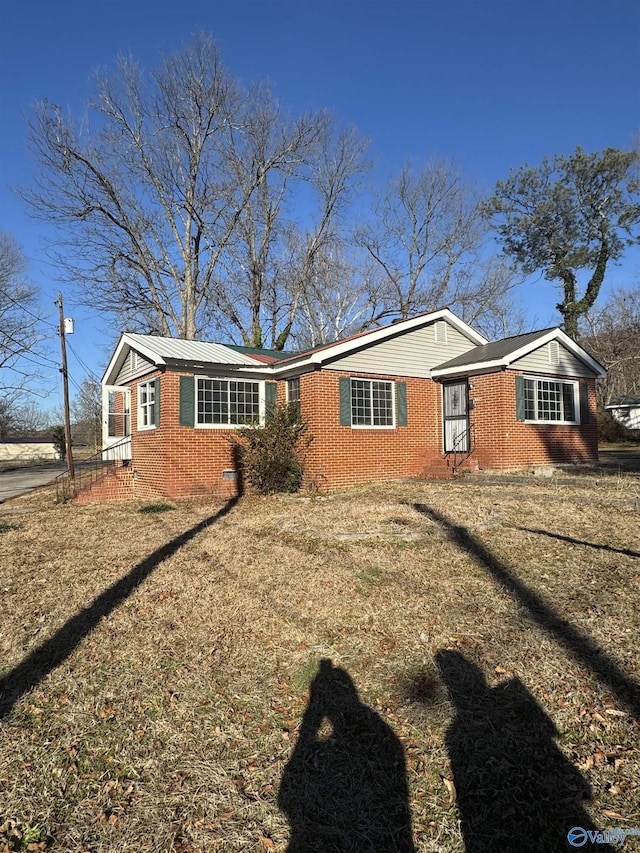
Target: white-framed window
<point>228,402</point>
<point>293,393</point>
<point>372,403</point>
<point>147,405</point>
<point>551,400</point>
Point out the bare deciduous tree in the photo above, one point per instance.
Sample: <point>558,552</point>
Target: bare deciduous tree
<point>20,331</point>
<point>170,207</point>
<point>86,410</point>
<point>424,233</point>
<point>612,334</point>
<point>340,297</point>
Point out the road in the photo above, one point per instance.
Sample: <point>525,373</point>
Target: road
<point>22,480</point>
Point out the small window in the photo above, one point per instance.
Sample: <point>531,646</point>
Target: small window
<point>147,409</point>
<point>371,403</point>
<point>550,401</point>
<point>554,352</point>
<point>440,332</point>
<point>293,394</point>
<point>223,402</point>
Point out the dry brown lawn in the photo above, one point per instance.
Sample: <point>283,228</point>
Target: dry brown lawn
<point>156,670</point>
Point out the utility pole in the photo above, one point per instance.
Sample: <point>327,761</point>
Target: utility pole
<point>65,381</point>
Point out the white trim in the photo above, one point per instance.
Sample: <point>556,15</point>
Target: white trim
<point>394,405</point>
<point>200,353</point>
<point>146,427</point>
<point>340,349</point>
<point>261,401</point>
<point>536,343</point>
<point>562,381</point>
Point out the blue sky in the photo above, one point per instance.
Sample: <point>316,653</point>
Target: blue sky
<point>489,84</point>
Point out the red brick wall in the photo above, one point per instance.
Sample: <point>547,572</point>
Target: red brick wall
<point>501,441</point>
<point>174,461</point>
<point>341,456</point>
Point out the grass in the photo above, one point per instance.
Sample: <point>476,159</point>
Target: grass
<point>165,687</point>
<point>156,507</point>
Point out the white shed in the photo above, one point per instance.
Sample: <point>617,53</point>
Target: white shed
<point>626,411</point>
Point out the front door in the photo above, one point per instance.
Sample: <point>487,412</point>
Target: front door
<point>455,407</point>
<point>116,422</point>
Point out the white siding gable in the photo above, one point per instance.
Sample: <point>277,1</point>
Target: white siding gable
<point>413,353</point>
<point>543,360</point>
<point>135,365</point>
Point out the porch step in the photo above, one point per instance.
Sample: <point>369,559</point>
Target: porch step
<point>115,482</point>
<point>438,469</point>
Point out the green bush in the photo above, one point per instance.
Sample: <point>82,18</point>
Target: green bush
<point>271,456</point>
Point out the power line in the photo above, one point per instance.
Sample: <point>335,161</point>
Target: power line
<point>82,363</point>
<point>27,310</point>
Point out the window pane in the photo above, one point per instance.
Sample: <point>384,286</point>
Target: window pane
<point>529,399</point>
<point>360,402</point>
<point>382,403</point>
<point>568,401</point>
<point>293,394</point>
<point>244,402</point>
<point>549,401</point>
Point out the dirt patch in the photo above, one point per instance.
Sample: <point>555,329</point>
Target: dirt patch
<point>625,461</point>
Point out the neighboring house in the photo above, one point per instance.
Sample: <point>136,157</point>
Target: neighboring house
<point>626,411</point>
<point>27,450</point>
<point>420,397</point>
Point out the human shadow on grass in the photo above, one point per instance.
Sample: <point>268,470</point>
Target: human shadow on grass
<point>627,552</point>
<point>578,644</point>
<point>345,787</point>
<point>515,790</point>
<point>54,651</point>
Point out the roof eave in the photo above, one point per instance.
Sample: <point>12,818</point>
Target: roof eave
<point>342,348</point>
<point>495,364</point>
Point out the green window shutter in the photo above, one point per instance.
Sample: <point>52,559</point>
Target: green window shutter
<point>157,399</point>
<point>520,398</point>
<point>187,400</point>
<point>401,403</point>
<point>345,401</point>
<point>270,399</point>
<point>584,403</point>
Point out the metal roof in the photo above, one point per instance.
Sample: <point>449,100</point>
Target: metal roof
<point>262,354</point>
<point>177,349</point>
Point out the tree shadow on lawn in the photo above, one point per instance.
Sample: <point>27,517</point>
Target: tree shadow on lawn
<point>627,552</point>
<point>50,654</point>
<point>578,644</point>
<point>345,786</point>
<point>515,790</point>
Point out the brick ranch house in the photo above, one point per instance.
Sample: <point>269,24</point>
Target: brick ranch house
<point>420,397</point>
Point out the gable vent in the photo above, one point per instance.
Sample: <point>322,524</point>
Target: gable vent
<point>554,352</point>
<point>440,332</point>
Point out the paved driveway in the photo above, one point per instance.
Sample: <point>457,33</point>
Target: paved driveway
<point>22,480</point>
